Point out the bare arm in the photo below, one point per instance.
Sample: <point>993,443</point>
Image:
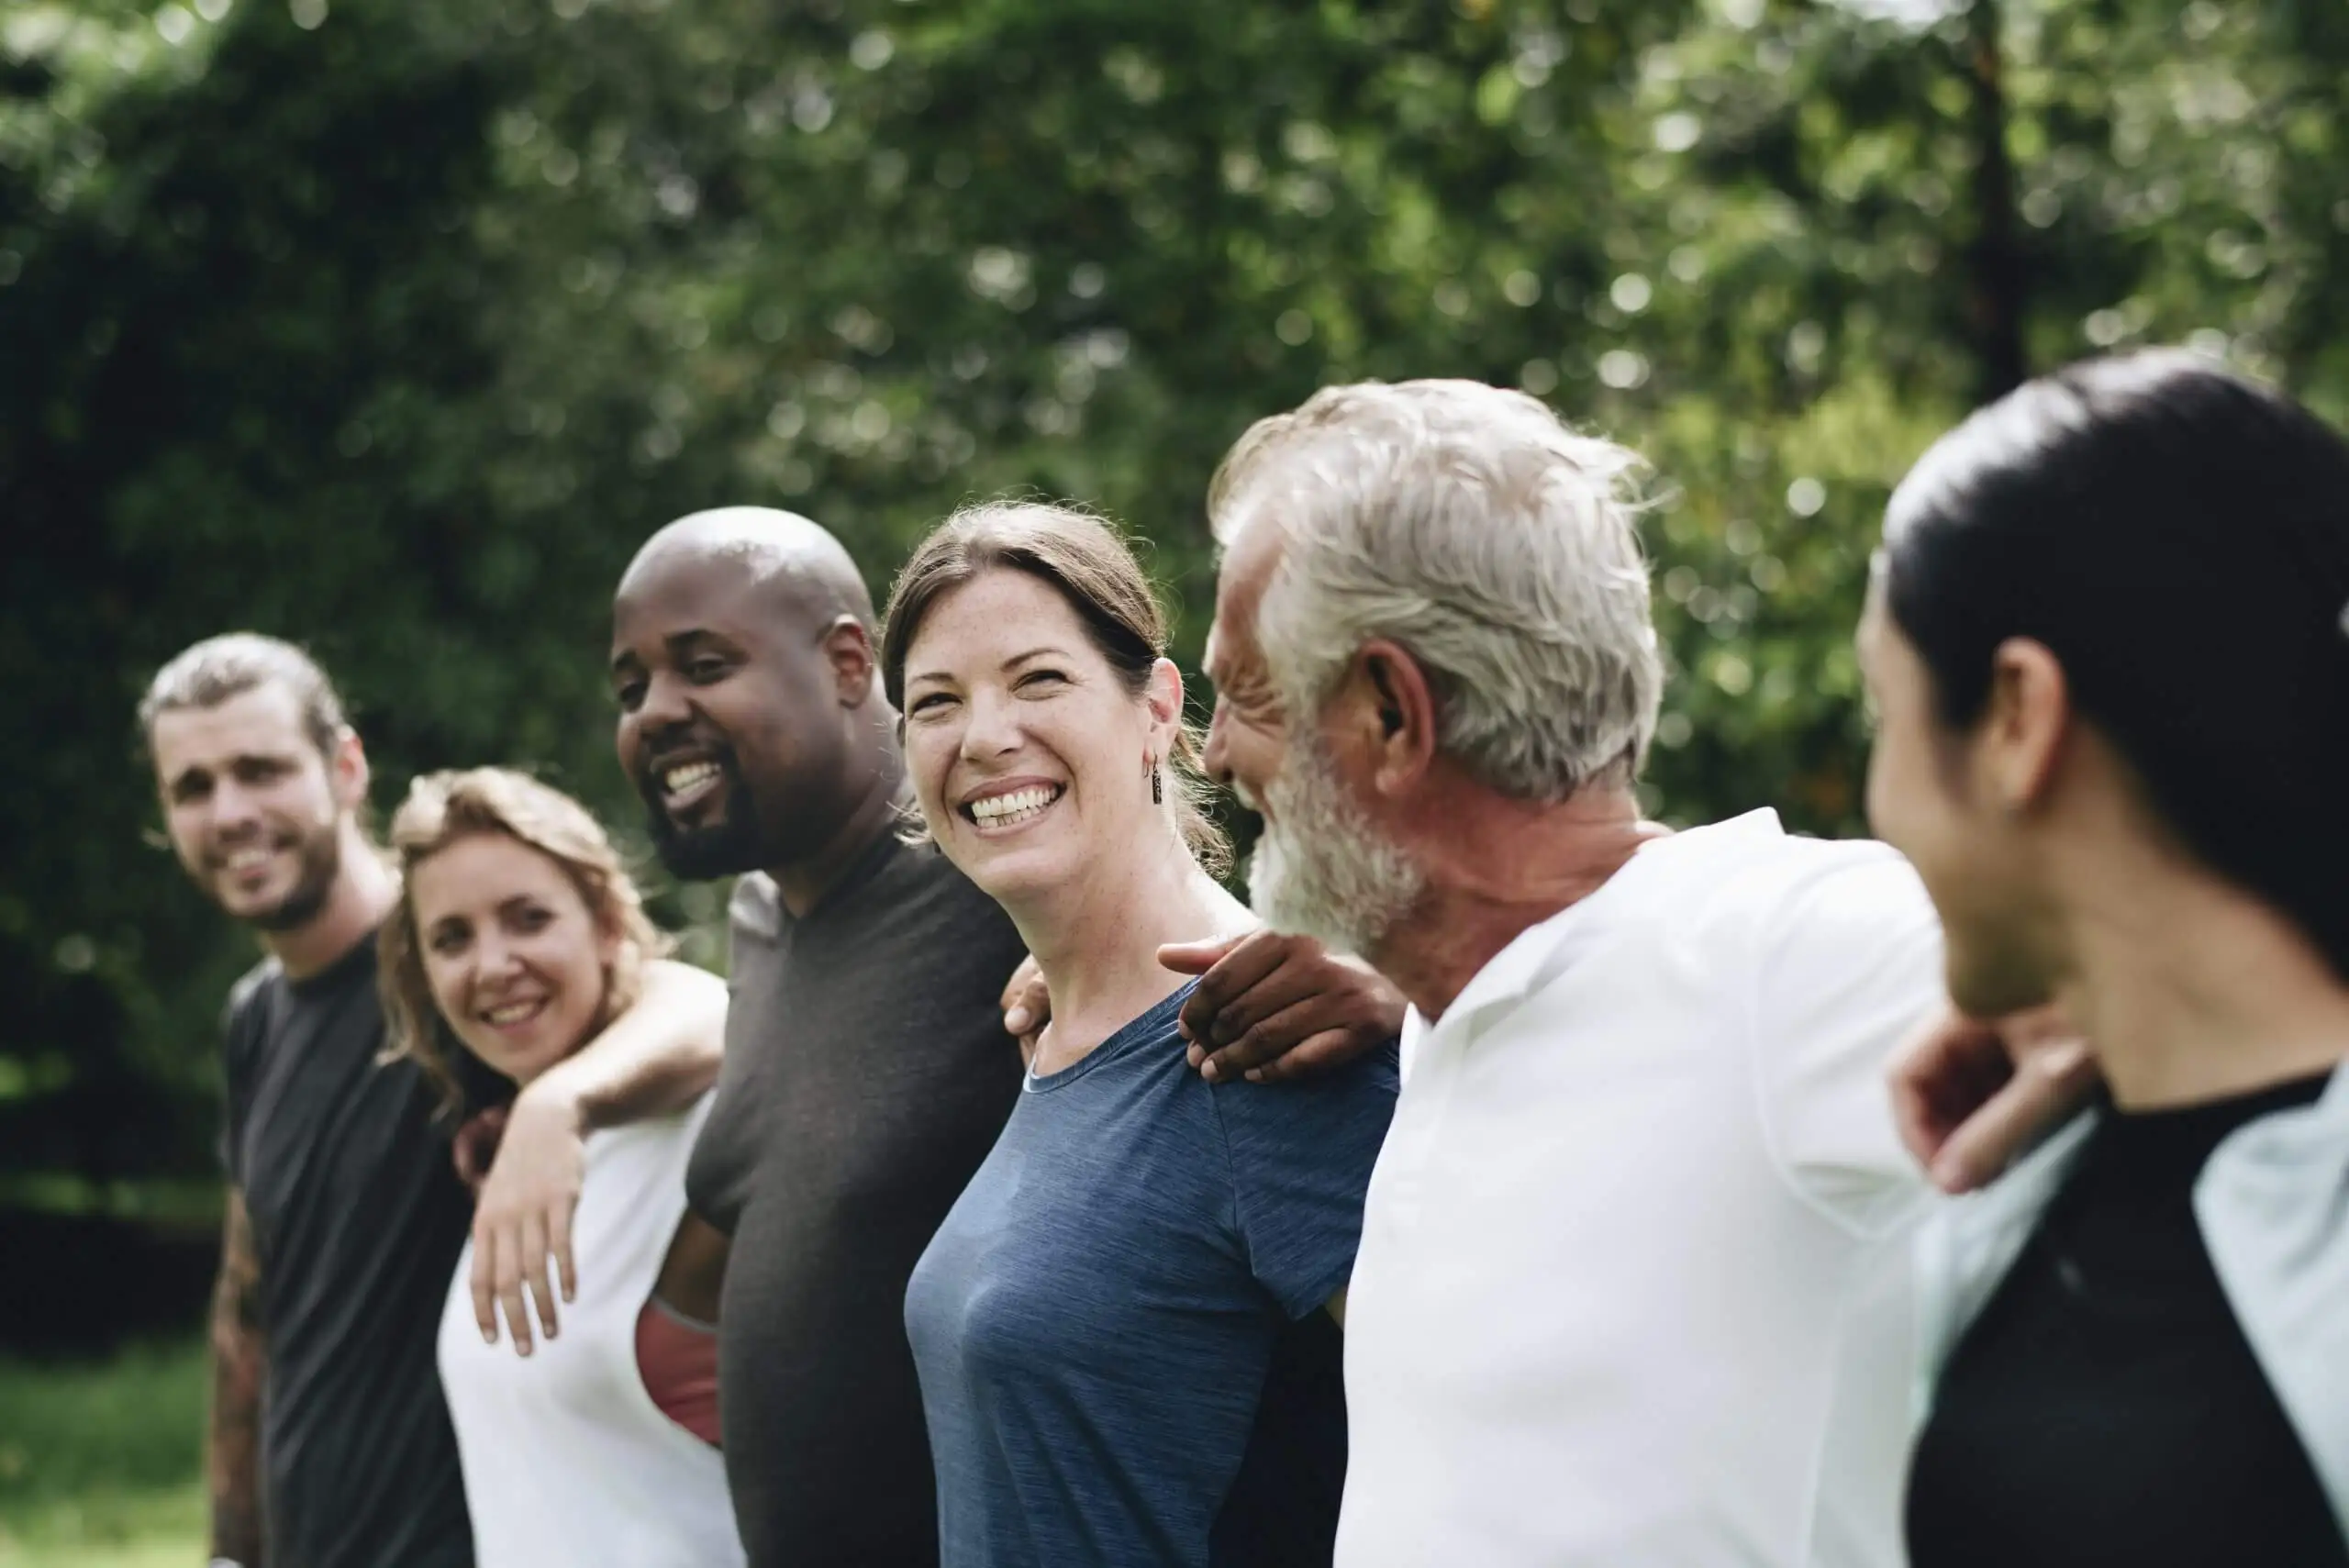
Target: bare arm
<point>656,1057</point>
<point>239,1368</point>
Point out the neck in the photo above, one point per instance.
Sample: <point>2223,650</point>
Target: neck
<point>364,890</point>
<point>2190,991</point>
<point>1097,941</point>
<point>1496,867</point>
<point>872,811</point>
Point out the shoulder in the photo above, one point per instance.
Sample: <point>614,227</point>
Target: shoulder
<point>246,997</point>
<point>244,1019</point>
<point>1745,881</point>
<point>1352,1101</point>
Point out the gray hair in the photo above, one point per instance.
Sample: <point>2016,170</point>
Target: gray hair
<point>1471,526</point>
<point>220,668</point>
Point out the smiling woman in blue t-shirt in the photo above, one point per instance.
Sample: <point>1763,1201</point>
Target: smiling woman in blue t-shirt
<point>1119,1328</point>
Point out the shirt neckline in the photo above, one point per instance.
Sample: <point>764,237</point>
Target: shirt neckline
<point>1524,964</point>
<point>343,971</point>
<point>1148,1026</point>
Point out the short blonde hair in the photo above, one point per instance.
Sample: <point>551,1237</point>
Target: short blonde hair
<point>1471,527</point>
<point>443,807</point>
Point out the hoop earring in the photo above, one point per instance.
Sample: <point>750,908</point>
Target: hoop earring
<point>1157,789</point>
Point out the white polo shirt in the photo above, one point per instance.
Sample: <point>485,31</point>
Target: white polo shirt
<point>1635,1287</point>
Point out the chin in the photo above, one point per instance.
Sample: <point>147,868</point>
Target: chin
<point>1019,870</point>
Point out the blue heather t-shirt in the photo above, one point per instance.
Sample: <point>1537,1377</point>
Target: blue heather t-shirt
<point>1120,1330</point>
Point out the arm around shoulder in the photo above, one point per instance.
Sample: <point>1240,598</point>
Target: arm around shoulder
<point>659,1056</point>
<point>1849,967</point>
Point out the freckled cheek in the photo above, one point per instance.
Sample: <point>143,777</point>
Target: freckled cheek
<point>930,756</point>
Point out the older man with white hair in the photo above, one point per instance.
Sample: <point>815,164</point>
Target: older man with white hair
<point>1634,1286</point>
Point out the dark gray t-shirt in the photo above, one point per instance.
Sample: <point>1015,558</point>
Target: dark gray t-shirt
<point>358,1217</point>
<point>1103,1322</point>
<point>867,1073</point>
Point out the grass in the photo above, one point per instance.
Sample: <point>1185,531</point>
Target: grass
<point>101,1465</point>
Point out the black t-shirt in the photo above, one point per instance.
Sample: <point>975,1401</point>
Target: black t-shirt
<point>2105,1407</point>
<point>358,1219</point>
<point>867,1075</point>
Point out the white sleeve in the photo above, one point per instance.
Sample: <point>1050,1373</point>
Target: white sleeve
<point>1850,967</point>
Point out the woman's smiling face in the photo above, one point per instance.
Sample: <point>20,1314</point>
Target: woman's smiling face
<point>1029,753</point>
<point>515,958</point>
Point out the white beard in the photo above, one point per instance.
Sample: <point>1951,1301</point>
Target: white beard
<point>1319,869</point>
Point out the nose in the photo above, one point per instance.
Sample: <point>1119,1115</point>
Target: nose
<point>494,957</point>
<point>664,705</point>
<point>233,807</point>
<point>992,729</point>
<point>1215,758</point>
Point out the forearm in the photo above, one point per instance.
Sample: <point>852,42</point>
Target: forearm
<point>658,1056</point>
<point>239,1371</point>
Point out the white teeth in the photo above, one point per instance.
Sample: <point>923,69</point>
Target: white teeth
<point>1020,805</point>
<point>245,860</point>
<point>683,777</point>
<point>511,1013</point>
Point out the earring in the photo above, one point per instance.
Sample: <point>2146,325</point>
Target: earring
<point>1157,789</point>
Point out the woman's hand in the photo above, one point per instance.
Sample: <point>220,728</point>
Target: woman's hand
<point>1969,1098</point>
<point>1270,1005</point>
<point>523,1217</point>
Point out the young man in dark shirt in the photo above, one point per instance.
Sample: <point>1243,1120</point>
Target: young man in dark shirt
<point>331,1445</point>
<point>868,1070</point>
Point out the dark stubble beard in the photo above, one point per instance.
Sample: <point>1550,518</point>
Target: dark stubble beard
<point>731,847</point>
<point>320,857</point>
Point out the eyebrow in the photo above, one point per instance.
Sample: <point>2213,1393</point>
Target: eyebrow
<point>675,642</point>
<point>1048,651</point>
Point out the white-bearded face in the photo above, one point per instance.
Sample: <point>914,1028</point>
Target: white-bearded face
<point>1320,868</point>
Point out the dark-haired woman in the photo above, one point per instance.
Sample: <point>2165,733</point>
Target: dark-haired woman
<point>1120,1330</point>
<point>2108,646</point>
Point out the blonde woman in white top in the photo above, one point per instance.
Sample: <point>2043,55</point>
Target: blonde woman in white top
<point>518,936</point>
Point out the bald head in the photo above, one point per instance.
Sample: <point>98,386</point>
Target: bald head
<point>750,713</point>
<point>792,558</point>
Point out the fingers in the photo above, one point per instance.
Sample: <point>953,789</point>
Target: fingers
<point>485,1282</point>
<point>1953,1066</point>
<point>1312,1055</point>
<point>1270,1036</point>
<point>1243,966</point>
<point>2049,1084</point>
<point>1198,958</point>
<point>1026,1004</point>
<point>535,1277</point>
<point>559,1240</point>
<point>509,1298</point>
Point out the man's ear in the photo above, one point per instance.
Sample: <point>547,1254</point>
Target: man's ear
<point>347,773</point>
<point>848,648</point>
<point>2025,723</point>
<point>1396,710</point>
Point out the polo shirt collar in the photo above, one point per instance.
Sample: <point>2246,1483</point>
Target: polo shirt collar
<point>1532,959</point>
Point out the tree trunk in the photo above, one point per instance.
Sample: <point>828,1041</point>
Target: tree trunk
<point>1994,278</point>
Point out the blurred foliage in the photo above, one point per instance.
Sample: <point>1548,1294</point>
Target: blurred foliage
<point>393,326</point>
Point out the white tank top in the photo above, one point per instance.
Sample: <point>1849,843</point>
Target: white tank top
<point>566,1458</point>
